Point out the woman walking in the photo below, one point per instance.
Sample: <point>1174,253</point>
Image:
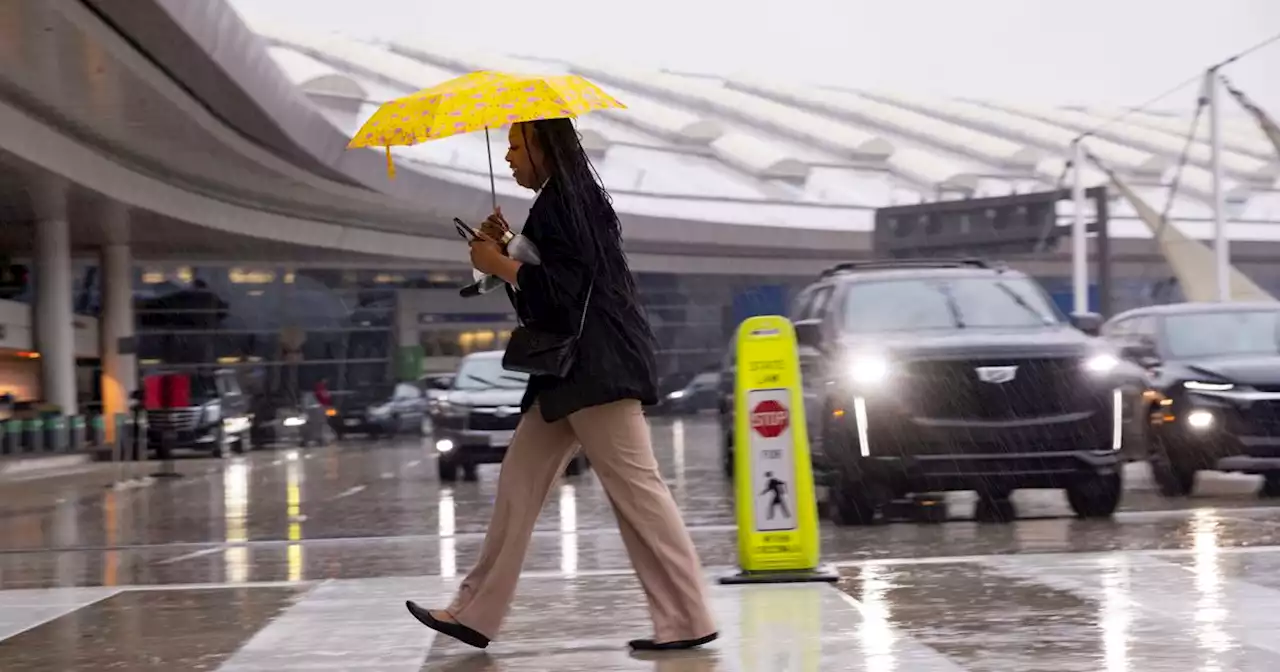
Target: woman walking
<point>582,286</point>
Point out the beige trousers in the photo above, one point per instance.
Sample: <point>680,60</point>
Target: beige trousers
<point>615,438</point>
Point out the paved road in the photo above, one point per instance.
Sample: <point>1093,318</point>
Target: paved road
<point>299,559</point>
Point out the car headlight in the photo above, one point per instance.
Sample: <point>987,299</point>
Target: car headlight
<point>1101,363</point>
<point>676,395</point>
<point>868,369</point>
<point>1202,386</point>
<point>379,411</point>
<point>450,409</point>
<point>1200,419</point>
<point>295,421</point>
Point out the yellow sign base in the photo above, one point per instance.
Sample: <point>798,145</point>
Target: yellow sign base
<point>777,510</point>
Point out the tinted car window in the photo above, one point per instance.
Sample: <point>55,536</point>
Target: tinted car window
<point>951,303</point>
<point>1222,334</point>
<point>485,373</point>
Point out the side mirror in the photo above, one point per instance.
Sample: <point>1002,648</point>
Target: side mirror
<point>1089,323</point>
<point>809,333</point>
<point>1140,353</point>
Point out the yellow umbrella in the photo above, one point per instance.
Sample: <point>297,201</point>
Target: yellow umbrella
<point>480,100</point>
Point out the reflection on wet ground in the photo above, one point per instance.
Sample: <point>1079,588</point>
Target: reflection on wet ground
<point>302,559</point>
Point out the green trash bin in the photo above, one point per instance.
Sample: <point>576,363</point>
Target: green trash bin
<point>77,434</point>
<point>33,436</point>
<point>55,433</point>
<point>4,438</point>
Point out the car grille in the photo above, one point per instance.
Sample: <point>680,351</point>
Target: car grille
<point>950,389</point>
<point>174,419</point>
<point>486,420</point>
<point>1260,418</point>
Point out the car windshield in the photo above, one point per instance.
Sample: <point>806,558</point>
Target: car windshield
<point>1223,333</point>
<point>485,373</point>
<point>947,303</point>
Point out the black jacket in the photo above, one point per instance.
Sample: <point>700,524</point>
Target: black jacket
<point>615,355</point>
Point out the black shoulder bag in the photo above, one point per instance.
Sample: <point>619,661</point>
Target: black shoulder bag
<point>542,353</point>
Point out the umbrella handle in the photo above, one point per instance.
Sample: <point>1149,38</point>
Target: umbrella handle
<point>493,189</point>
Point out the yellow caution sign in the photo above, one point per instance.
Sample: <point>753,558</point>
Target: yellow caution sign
<point>776,504</point>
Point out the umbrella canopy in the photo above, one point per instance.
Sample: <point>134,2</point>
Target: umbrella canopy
<point>478,101</point>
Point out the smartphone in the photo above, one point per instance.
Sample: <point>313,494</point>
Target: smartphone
<point>464,230</point>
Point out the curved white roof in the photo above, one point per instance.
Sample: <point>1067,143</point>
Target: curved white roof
<point>838,138</point>
<point>847,105</point>
<point>757,157</point>
<point>674,125</point>
<point>1245,138</point>
<point>1026,129</point>
<point>924,168</point>
<point>1239,165</point>
<point>314,77</point>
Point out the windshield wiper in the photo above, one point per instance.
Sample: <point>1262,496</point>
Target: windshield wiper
<point>1021,301</point>
<point>952,306</point>
<point>483,381</point>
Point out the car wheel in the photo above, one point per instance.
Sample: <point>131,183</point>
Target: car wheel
<point>995,509</point>
<point>1173,477</point>
<point>1270,486</point>
<point>726,454</point>
<point>447,470</point>
<point>1095,496</point>
<point>575,466</point>
<point>851,504</point>
<point>238,447</point>
<point>471,472</point>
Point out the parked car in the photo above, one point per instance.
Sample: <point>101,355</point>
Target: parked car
<point>380,410</point>
<point>1210,397</point>
<point>473,423</point>
<point>218,417</point>
<point>933,375</point>
<point>701,393</point>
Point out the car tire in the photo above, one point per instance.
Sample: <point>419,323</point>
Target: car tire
<point>238,447</point>
<point>470,472</point>
<point>447,470</point>
<point>991,509</point>
<point>851,504</point>
<point>726,454</point>
<point>576,466</point>
<point>1270,486</point>
<point>1096,495</point>
<point>1173,478</point>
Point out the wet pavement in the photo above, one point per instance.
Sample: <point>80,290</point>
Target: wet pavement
<point>301,560</point>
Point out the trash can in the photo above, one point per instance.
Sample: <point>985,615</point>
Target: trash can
<point>124,435</point>
<point>55,433</point>
<point>33,436</point>
<point>77,435</point>
<point>98,436</point>
<point>12,438</point>
<point>4,438</point>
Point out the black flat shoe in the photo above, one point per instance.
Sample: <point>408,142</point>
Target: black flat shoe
<point>457,631</point>
<point>678,645</point>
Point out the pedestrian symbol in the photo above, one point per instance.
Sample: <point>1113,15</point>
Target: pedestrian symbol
<point>776,490</point>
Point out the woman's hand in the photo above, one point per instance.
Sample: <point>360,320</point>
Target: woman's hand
<point>488,258</point>
<point>495,226</point>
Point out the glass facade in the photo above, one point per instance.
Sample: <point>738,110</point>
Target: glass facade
<point>281,329</point>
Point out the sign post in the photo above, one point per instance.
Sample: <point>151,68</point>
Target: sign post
<point>776,504</point>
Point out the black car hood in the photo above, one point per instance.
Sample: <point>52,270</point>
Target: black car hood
<point>1061,341</point>
<point>498,396</point>
<point>1246,370</point>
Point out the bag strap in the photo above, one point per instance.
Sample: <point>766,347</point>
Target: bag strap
<point>586,303</point>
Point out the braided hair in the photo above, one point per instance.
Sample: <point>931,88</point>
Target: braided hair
<point>592,218</point>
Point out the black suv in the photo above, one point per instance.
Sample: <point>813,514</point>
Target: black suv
<point>1210,397</point>
<point>932,375</point>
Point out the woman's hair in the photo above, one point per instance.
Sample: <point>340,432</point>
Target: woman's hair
<point>577,184</point>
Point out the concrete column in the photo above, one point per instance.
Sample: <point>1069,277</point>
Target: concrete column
<point>119,371</point>
<point>55,328</point>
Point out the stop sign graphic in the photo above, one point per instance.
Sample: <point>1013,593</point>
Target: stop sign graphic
<point>769,418</point>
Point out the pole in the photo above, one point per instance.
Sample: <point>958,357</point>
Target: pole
<point>493,187</point>
<point>1221,246</point>
<point>1102,243</point>
<point>1079,243</point>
